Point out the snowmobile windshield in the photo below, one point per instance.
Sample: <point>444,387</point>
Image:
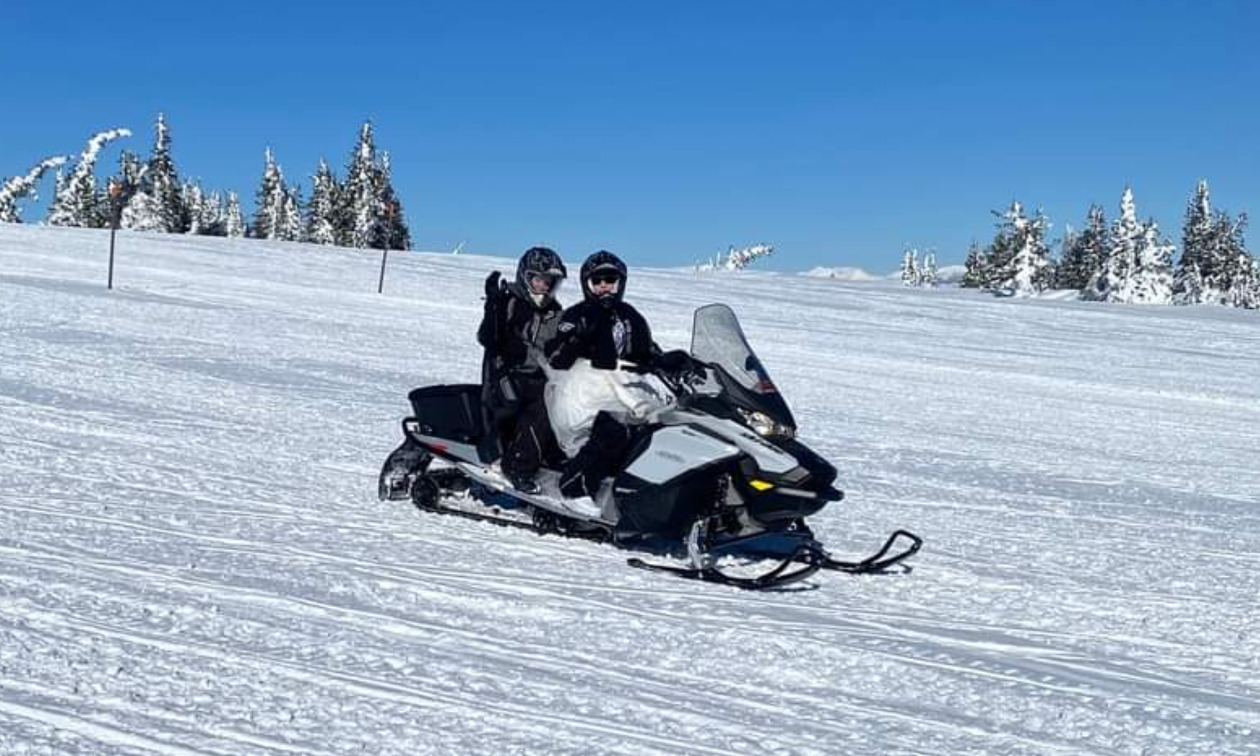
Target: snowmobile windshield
<point>716,338</point>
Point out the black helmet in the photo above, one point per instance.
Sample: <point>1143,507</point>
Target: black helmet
<point>540,262</point>
<point>603,263</point>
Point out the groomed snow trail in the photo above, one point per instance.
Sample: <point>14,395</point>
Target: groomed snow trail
<point>193,559</point>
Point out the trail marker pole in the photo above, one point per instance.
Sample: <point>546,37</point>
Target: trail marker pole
<point>115,214</point>
<point>386,242</point>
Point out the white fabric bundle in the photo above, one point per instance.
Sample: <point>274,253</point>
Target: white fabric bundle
<point>575,396</point>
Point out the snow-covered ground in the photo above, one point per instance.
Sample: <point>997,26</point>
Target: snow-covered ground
<point>193,559</point>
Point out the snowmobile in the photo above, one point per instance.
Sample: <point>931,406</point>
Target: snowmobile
<point>717,478</point>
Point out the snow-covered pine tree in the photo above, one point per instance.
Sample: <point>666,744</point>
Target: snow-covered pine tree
<point>1152,280</point>
<point>1238,281</point>
<point>233,220</point>
<point>740,258</point>
<point>269,202</point>
<point>141,212</point>
<point>910,268</point>
<point>77,202</point>
<point>23,187</point>
<point>1084,254</point>
<point>928,274</point>
<point>321,211</point>
<point>290,224</point>
<point>391,226</point>
<point>1066,244</point>
<point>213,215</point>
<point>1113,281</point>
<point>1190,282</point>
<point>193,198</point>
<point>974,275</point>
<point>1000,252</point>
<point>1198,263</point>
<point>162,182</point>
<point>205,211</point>
<point>360,206</point>
<point>1026,270</point>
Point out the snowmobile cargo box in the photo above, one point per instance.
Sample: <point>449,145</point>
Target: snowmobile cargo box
<point>452,412</point>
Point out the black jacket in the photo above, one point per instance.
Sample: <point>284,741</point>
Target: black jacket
<point>601,334</point>
<point>512,324</point>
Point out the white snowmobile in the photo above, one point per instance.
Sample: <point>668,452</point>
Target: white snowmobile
<point>717,476</point>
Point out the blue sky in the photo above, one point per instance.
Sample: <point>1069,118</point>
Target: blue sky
<point>666,131</point>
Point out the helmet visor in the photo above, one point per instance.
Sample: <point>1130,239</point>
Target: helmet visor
<point>543,282</point>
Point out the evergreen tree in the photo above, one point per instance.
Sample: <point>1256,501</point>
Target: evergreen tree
<point>233,221</point>
<point>1019,258</point>
<point>1000,252</point>
<point>77,202</point>
<point>321,211</point>
<point>910,268</point>
<point>1238,280</point>
<point>205,211</point>
<point>1111,283</point>
<point>23,187</point>
<point>270,200</point>
<point>364,217</point>
<point>142,213</point>
<point>1138,266</point>
<point>974,275</point>
<point>391,225</point>
<point>289,227</point>
<point>1198,263</point>
<point>739,258</point>
<point>1152,280</point>
<point>1070,235</point>
<point>360,205</point>
<point>194,198</point>
<point>162,183</point>
<point>929,274</point>
<point>1084,252</point>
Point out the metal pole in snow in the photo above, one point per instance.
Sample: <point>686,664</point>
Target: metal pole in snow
<point>385,243</point>
<point>115,201</point>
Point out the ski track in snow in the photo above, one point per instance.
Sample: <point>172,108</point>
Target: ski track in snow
<point>193,559</point>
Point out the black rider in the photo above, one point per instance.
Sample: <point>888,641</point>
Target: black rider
<point>520,318</point>
<point>603,329</point>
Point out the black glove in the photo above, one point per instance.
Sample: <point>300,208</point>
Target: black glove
<point>673,361</point>
<point>492,284</point>
<point>494,291</point>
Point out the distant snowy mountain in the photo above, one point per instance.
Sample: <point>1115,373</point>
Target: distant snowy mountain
<point>842,274</point>
<point>193,560</point>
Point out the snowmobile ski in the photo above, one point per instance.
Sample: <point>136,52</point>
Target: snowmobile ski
<point>808,560</point>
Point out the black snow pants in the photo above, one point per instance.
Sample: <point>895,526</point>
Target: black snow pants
<point>528,440</point>
<point>600,458</point>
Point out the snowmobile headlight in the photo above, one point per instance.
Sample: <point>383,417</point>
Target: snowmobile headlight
<point>764,425</point>
<point>761,485</point>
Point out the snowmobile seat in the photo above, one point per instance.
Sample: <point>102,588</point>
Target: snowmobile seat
<point>450,411</point>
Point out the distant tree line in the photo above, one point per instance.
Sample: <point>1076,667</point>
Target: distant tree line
<point>361,211</point>
<point>1126,261</point>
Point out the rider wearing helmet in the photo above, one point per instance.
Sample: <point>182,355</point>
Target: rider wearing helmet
<point>605,330</point>
<point>520,318</point>
<point>602,327</point>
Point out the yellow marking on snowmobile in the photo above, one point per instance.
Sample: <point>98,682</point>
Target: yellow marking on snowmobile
<point>760,485</point>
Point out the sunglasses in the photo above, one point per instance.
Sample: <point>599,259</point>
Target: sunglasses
<point>605,278</point>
